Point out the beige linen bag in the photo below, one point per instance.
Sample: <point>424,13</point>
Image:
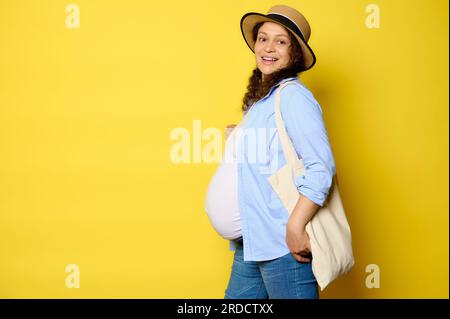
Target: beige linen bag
<point>328,230</point>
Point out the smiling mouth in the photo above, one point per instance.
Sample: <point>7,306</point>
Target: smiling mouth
<point>268,60</point>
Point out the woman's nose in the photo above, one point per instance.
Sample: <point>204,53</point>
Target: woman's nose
<point>269,46</point>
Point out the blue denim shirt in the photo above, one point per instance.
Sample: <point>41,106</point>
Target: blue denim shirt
<point>263,216</point>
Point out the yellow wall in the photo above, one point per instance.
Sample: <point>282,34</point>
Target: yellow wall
<point>85,118</point>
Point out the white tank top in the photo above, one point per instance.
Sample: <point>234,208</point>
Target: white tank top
<point>222,196</point>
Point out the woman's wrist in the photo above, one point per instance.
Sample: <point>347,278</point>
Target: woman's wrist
<point>303,212</point>
<point>297,221</point>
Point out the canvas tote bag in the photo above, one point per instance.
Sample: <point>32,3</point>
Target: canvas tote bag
<point>328,230</point>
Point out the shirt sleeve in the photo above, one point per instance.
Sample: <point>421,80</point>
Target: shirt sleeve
<point>305,126</point>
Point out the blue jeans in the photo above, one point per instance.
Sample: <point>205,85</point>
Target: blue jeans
<point>280,278</point>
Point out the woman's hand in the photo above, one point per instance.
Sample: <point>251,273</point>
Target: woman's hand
<point>297,239</point>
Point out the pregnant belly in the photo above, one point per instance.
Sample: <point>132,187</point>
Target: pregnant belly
<point>222,201</point>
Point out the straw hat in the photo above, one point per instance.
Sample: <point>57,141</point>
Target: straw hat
<point>289,18</point>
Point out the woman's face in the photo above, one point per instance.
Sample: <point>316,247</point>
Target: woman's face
<point>272,48</point>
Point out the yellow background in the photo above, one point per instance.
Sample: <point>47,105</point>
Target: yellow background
<point>85,118</point>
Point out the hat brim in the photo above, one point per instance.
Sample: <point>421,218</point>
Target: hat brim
<point>250,19</point>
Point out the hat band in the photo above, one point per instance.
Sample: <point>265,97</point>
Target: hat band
<point>287,22</point>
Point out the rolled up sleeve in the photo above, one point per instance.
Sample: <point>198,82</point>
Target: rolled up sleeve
<point>305,126</point>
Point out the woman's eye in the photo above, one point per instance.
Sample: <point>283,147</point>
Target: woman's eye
<point>262,39</point>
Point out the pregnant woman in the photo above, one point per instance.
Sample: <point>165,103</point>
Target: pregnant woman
<point>272,252</point>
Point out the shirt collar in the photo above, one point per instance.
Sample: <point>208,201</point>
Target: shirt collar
<point>294,78</point>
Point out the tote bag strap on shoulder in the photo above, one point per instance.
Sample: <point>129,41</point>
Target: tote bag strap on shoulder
<point>286,143</point>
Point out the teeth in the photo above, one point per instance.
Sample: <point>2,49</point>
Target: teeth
<point>269,59</point>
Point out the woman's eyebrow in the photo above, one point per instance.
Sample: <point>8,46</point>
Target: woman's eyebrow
<point>277,35</point>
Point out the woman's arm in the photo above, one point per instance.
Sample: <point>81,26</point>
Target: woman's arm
<point>305,126</point>
<point>296,236</point>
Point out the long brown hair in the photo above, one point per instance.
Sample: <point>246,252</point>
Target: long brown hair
<point>257,88</point>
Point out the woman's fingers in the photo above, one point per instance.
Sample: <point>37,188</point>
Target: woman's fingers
<point>301,258</point>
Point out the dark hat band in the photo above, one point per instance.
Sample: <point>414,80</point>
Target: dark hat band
<point>287,22</point>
